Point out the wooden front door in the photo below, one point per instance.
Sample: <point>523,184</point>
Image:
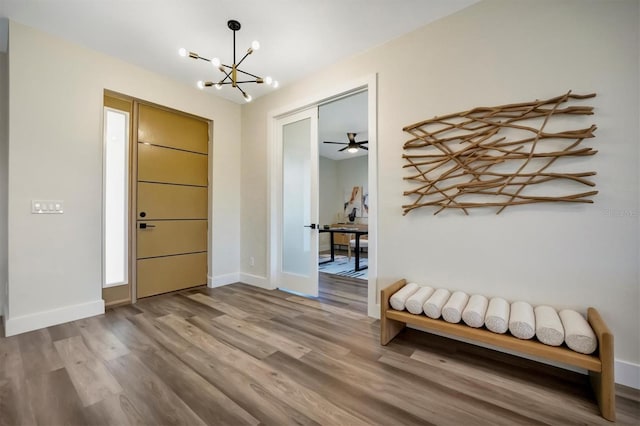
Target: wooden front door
<point>172,201</point>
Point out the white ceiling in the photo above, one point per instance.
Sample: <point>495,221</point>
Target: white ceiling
<point>296,36</point>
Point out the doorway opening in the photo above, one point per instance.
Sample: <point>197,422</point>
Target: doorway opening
<point>343,197</point>
<point>332,214</point>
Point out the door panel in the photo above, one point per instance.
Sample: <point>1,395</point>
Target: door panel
<point>161,201</point>
<point>298,266</point>
<point>159,164</point>
<point>163,274</point>
<point>172,201</point>
<point>168,237</point>
<point>159,127</point>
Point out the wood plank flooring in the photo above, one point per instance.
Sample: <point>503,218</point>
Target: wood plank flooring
<point>239,355</point>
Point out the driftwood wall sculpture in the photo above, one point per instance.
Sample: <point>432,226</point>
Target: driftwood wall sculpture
<point>498,156</point>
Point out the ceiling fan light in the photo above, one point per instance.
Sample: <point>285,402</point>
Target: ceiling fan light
<point>352,150</point>
<point>255,45</point>
<point>200,84</point>
<point>182,52</point>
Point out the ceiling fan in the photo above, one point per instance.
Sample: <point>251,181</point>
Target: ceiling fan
<point>352,145</point>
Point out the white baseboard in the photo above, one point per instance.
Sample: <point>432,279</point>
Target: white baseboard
<point>5,312</point>
<point>255,280</point>
<point>222,280</point>
<point>627,373</point>
<point>24,323</point>
<point>374,311</point>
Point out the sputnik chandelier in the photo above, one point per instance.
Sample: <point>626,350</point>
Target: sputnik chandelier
<point>231,71</point>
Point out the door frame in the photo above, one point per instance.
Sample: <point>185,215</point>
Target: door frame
<point>274,148</point>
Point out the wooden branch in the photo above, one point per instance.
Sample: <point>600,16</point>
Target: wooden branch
<point>464,148</point>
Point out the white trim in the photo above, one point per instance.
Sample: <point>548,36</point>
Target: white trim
<point>372,220</point>
<point>256,281</point>
<point>627,373</point>
<point>222,280</point>
<point>369,83</point>
<point>38,320</point>
<point>4,306</point>
<point>374,310</point>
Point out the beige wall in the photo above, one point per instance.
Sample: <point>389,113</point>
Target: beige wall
<point>328,198</point>
<point>4,166</point>
<point>55,146</point>
<point>493,53</point>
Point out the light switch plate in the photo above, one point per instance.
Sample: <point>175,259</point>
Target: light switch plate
<point>47,206</point>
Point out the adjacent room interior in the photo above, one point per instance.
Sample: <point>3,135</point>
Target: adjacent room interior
<point>343,183</point>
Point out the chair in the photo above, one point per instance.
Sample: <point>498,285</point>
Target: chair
<point>364,243</point>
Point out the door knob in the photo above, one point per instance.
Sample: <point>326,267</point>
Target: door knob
<point>312,226</point>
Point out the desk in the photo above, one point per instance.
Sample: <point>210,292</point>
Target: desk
<point>356,232</point>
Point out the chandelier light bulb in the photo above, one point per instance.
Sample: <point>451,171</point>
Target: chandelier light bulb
<point>218,86</point>
<point>182,52</point>
<point>275,84</point>
<point>268,80</point>
<point>200,84</point>
<point>247,97</point>
<point>215,62</point>
<point>352,150</point>
<point>255,45</point>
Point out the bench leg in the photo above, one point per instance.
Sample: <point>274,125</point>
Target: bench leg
<point>389,329</point>
<point>603,382</point>
<point>604,388</point>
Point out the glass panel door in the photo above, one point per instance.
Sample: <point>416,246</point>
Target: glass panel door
<point>299,208</point>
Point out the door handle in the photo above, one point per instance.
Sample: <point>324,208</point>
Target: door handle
<point>312,226</point>
<point>146,225</point>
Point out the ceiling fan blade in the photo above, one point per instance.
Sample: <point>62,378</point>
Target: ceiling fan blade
<point>338,143</point>
<point>364,147</point>
<point>360,143</point>
<point>340,150</point>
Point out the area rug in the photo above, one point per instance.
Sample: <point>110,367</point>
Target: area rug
<point>343,266</point>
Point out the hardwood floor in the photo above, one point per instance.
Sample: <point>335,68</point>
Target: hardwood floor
<point>242,355</point>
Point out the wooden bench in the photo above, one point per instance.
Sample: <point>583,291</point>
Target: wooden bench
<point>599,365</point>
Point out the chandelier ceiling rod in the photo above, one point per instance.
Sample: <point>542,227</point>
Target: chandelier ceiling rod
<point>231,76</point>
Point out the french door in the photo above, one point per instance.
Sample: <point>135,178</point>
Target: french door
<point>297,136</point>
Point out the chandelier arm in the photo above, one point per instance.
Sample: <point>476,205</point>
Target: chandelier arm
<point>244,94</point>
<point>249,74</point>
<point>244,57</point>
<point>226,76</point>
